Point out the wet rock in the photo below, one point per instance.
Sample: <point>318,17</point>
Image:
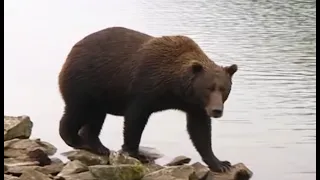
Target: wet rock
<point>30,159</point>
<point>40,156</point>
<point>183,172</point>
<point>54,168</point>
<point>200,171</point>
<point>117,158</point>
<point>5,168</point>
<point>87,175</point>
<point>86,157</point>
<point>179,160</point>
<point>211,176</point>
<point>150,152</point>
<point>9,177</point>
<point>166,177</point>
<point>33,175</point>
<point>17,147</point>
<point>152,167</point>
<point>73,167</point>
<point>238,172</point>
<point>118,172</point>
<point>17,127</point>
<point>19,162</point>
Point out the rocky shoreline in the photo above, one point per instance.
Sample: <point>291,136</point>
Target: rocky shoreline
<point>26,159</point>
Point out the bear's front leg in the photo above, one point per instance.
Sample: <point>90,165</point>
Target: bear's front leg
<point>199,128</point>
<point>136,118</point>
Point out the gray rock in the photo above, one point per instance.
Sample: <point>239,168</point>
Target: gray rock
<point>19,162</point>
<point>54,168</point>
<point>200,171</point>
<point>179,160</point>
<point>17,147</point>
<point>80,176</point>
<point>17,127</point>
<point>86,157</point>
<point>117,158</point>
<point>40,156</point>
<point>33,175</point>
<point>166,177</point>
<point>237,172</point>
<point>9,177</point>
<point>73,167</point>
<point>152,167</point>
<point>118,172</point>
<point>183,172</point>
<point>5,168</point>
<point>150,152</point>
<point>211,176</point>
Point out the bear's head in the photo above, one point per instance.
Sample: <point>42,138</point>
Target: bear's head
<point>211,86</point>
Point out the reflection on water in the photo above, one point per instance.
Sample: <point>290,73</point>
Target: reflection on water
<point>270,123</point>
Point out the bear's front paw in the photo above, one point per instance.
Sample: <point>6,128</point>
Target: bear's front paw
<point>98,149</point>
<point>220,166</point>
<point>144,159</point>
<point>102,150</point>
<point>226,163</point>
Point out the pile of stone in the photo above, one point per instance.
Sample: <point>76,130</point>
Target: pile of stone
<point>31,159</point>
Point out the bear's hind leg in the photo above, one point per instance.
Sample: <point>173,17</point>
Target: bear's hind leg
<point>91,130</point>
<point>70,123</point>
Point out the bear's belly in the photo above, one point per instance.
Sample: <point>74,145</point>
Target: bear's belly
<point>115,105</point>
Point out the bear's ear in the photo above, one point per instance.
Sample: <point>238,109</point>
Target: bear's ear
<point>196,67</point>
<point>231,69</point>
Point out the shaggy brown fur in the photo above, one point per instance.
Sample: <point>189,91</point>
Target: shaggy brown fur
<point>127,73</point>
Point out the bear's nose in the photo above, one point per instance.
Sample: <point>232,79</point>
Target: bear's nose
<point>217,113</point>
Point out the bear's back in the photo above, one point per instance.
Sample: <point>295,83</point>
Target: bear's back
<point>114,43</point>
<point>100,65</point>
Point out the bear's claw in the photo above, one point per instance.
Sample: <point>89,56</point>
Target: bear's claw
<point>221,166</point>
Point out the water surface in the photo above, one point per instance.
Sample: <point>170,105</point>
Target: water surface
<point>270,118</point>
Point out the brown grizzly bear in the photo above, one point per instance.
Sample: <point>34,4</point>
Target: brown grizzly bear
<point>127,73</point>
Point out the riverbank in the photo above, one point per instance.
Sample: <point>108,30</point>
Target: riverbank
<point>26,159</point>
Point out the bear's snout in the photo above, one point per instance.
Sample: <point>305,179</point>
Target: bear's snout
<point>216,113</point>
<point>214,107</point>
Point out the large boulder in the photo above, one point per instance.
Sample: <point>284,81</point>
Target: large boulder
<point>9,177</point>
<point>183,172</point>
<point>34,175</point>
<point>117,158</point>
<point>11,162</point>
<point>17,127</point>
<point>152,153</point>
<point>17,147</point>
<point>87,175</point>
<point>152,167</point>
<point>86,157</point>
<point>54,168</point>
<point>73,167</point>
<point>179,160</point>
<point>237,172</point>
<point>200,171</point>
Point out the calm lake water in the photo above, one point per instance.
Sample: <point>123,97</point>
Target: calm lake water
<point>270,118</point>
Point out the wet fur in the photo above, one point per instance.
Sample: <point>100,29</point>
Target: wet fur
<point>127,73</point>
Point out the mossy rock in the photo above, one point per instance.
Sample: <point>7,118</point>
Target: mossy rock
<point>118,172</point>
